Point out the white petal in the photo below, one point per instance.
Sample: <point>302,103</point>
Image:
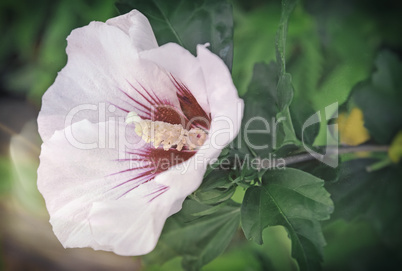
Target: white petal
<point>91,206</point>
<point>225,104</point>
<point>132,226</point>
<point>72,179</point>
<point>183,179</point>
<point>129,226</point>
<point>184,66</point>
<point>137,26</point>
<point>102,66</point>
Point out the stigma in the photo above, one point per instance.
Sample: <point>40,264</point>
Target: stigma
<point>167,135</point>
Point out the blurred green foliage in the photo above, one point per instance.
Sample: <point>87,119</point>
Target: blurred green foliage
<point>189,23</point>
<point>331,46</point>
<point>380,98</point>
<point>366,219</point>
<point>34,35</point>
<point>5,169</point>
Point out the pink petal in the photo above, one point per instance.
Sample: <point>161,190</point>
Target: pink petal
<point>93,197</point>
<point>103,70</point>
<point>136,25</point>
<point>72,179</point>
<point>183,66</point>
<point>226,106</point>
<point>129,226</point>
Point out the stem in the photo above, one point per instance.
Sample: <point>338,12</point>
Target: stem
<point>290,134</point>
<point>333,150</point>
<point>379,165</point>
<point>280,44</point>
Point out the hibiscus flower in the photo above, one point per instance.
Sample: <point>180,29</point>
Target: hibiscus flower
<point>128,129</point>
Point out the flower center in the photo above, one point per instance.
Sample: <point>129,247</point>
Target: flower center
<point>167,135</point>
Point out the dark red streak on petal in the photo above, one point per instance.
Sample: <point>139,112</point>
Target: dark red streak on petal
<point>122,109</point>
<point>134,100</point>
<point>131,169</point>
<point>159,109</point>
<point>130,159</point>
<point>190,107</point>
<point>158,161</point>
<point>155,98</point>
<point>147,176</point>
<point>168,114</point>
<point>159,192</point>
<point>163,160</point>
<point>142,95</point>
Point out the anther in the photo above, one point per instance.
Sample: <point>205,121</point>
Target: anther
<point>167,135</point>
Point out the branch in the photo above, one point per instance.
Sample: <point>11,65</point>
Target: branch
<point>335,150</point>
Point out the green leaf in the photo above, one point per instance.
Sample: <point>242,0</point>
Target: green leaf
<point>295,200</point>
<point>261,132</point>
<point>198,240</point>
<point>319,169</point>
<point>300,110</point>
<point>214,180</point>
<point>375,196</point>
<point>380,98</point>
<point>212,210</point>
<point>214,196</point>
<point>189,23</point>
<point>215,188</point>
